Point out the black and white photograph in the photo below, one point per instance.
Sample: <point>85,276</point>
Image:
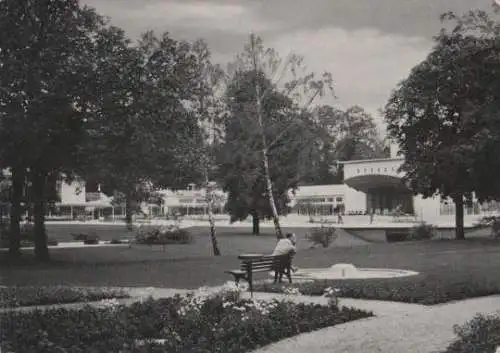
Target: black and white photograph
<point>249,176</point>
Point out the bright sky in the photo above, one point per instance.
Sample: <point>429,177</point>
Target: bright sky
<point>368,45</point>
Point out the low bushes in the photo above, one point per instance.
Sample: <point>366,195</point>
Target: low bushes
<point>87,238</point>
<point>222,322</point>
<point>419,289</point>
<point>481,334</point>
<point>422,231</point>
<point>323,236</point>
<point>28,296</point>
<point>164,235</point>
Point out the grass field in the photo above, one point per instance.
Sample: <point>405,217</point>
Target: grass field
<point>191,266</point>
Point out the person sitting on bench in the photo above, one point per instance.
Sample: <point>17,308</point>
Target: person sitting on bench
<point>285,246</point>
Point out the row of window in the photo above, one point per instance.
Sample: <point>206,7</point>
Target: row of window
<point>471,208</point>
<point>306,200</point>
<point>365,170</point>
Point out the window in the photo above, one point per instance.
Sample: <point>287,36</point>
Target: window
<point>340,199</point>
<point>365,170</point>
<point>378,170</point>
<point>385,169</point>
<point>358,171</point>
<point>371,170</point>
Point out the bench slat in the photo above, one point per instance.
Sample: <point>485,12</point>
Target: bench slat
<point>258,263</point>
<point>268,264</point>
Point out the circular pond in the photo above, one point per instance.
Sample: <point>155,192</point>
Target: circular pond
<point>348,271</point>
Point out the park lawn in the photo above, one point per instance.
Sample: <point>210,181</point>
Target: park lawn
<point>449,271</point>
<point>462,268</point>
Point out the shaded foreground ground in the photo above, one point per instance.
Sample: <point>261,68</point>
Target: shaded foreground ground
<point>191,266</point>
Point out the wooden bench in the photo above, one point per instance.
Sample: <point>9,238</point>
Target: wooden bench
<point>253,263</point>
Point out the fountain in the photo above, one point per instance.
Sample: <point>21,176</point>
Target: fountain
<point>348,271</point>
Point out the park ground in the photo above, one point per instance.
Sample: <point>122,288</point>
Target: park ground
<point>189,266</point>
<point>193,265</point>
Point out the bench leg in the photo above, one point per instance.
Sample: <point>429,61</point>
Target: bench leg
<point>250,282</point>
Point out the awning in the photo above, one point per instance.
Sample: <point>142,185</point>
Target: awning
<point>366,182</point>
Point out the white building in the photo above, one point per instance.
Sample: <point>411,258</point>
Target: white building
<point>369,186</point>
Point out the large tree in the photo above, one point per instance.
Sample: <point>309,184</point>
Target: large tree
<point>208,106</point>
<point>241,167</point>
<point>140,123</point>
<point>339,135</point>
<point>445,115</point>
<point>278,110</point>
<point>44,76</point>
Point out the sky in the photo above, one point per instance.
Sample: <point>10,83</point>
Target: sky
<point>368,45</point>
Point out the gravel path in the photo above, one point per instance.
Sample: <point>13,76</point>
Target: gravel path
<point>418,330</point>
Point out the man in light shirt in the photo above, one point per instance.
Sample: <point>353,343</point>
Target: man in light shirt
<point>285,246</point>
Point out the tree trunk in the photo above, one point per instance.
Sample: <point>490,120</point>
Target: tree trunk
<point>39,185</point>
<point>269,188</point>
<point>255,223</point>
<point>128,212</point>
<point>15,212</point>
<point>211,220</point>
<point>459,217</point>
<point>265,157</point>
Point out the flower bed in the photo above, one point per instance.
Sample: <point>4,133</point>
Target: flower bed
<point>420,289</point>
<point>29,296</point>
<point>199,322</point>
<point>481,334</point>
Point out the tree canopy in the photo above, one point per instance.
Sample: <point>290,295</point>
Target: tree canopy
<point>445,115</point>
<point>240,163</point>
<point>142,131</point>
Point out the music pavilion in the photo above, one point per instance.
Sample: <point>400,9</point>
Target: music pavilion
<point>376,185</point>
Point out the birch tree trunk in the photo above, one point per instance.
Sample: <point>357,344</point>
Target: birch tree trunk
<point>211,219</point>
<point>265,157</point>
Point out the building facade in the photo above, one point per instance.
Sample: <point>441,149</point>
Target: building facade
<point>370,186</point>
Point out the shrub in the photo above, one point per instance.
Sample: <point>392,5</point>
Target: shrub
<point>396,235</point>
<point>89,239</point>
<point>199,322</point>
<point>164,235</point>
<point>423,231</point>
<point>419,289</point>
<point>28,296</point>
<point>486,222</point>
<point>323,236</point>
<point>481,334</point>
